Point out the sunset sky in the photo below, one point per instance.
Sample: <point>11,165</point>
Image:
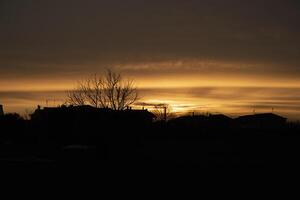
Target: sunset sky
<point>50,44</point>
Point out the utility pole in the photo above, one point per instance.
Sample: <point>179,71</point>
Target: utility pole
<point>165,113</point>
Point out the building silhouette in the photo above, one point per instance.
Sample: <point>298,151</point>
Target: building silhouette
<point>263,120</point>
<point>88,117</point>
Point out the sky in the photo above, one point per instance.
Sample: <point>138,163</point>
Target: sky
<point>50,44</point>
<point>55,41</point>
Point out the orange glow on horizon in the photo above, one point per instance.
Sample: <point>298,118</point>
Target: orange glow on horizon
<point>155,82</point>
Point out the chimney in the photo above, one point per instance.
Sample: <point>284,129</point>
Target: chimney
<point>1,110</point>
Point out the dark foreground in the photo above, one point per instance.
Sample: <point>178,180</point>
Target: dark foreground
<point>240,152</point>
<point>158,149</point>
<point>119,144</point>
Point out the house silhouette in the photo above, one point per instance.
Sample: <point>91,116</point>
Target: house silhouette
<point>202,121</point>
<point>263,120</point>
<point>88,115</point>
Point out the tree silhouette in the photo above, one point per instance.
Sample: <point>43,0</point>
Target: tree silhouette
<point>76,97</point>
<point>108,91</point>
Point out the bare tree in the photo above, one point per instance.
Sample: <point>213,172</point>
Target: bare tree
<point>108,91</point>
<point>119,93</point>
<point>93,91</point>
<point>76,97</point>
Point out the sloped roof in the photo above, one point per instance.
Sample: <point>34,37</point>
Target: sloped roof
<point>261,116</point>
<point>220,117</point>
<point>139,113</point>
